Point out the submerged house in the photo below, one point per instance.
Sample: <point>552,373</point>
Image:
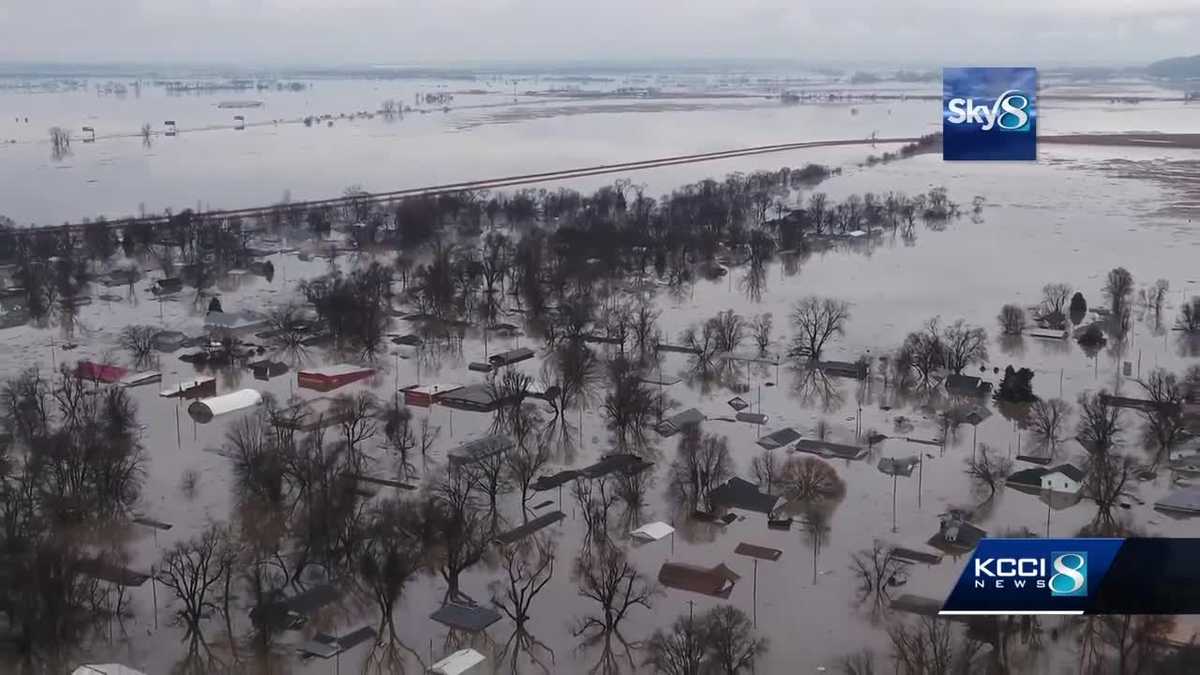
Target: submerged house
<point>510,357</point>
<point>742,494</point>
<point>675,423</point>
<point>1029,479</point>
<point>474,397</point>
<point>198,387</point>
<point>716,581</point>
<point>827,449</point>
<point>1065,478</point>
<point>480,449</point>
<point>967,385</point>
<point>425,395</point>
<point>332,377</point>
<point>956,536</point>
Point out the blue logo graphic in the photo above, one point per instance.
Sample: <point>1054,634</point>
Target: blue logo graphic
<point>1070,573</point>
<point>1022,576</point>
<point>989,113</point>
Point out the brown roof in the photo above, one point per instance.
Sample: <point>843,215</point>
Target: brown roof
<point>715,581</point>
<point>760,552</point>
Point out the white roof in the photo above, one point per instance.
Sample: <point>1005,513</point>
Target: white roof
<point>652,531</point>
<point>333,371</point>
<point>139,378</point>
<point>227,403</point>
<point>185,385</point>
<point>856,233</point>
<point>105,669</point>
<point>459,662</point>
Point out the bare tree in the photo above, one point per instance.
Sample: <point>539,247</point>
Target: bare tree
<point>730,639</point>
<point>987,469</point>
<point>875,570</point>
<point>457,531</point>
<point>192,570</point>
<point>964,344</point>
<point>1118,286</point>
<point>702,462</point>
<point>1189,318</point>
<point>528,566</point>
<point>60,142</point>
<point>766,469</point>
<point>490,477</point>
<point>1012,319</point>
<point>679,652</point>
<point>1107,475</point>
<point>606,577</point>
<point>761,327</point>
<point>809,479</point>
<point>1157,295</point>
<point>932,646</point>
<point>523,464</point>
<point>595,498</point>
<point>816,321</point>
<point>1047,421</point>
<point>1164,418</point>
<point>391,554</point>
<point>923,353</point>
<point>629,405</point>
<point>357,420</point>
<point>1099,428</point>
<point>858,663</point>
<point>1054,303</point>
<point>729,329</point>
<point>139,342</point>
<point>400,439</point>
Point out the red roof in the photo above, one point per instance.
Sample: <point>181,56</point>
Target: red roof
<point>100,372</point>
<point>332,377</point>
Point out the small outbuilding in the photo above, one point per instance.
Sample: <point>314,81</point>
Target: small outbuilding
<point>716,581</point>
<point>207,408</point>
<point>1065,478</point>
<point>652,531</point>
<point>332,377</point>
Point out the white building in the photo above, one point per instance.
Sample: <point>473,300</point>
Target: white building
<point>1066,478</point>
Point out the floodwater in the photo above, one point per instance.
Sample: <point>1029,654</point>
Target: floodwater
<point>1068,218</point>
<point>483,135</point>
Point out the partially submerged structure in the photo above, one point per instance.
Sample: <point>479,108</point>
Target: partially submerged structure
<point>467,618</point>
<point>207,408</point>
<point>460,662</point>
<point>327,646</point>
<point>742,494</point>
<point>510,357</point>
<point>518,533</point>
<point>827,449</point>
<point>967,385</point>
<point>138,379</point>
<point>956,536</point>
<point>717,581</point>
<point>898,466</point>
<point>1181,502</point>
<point>292,612</point>
<point>480,449</point>
<point>779,438</point>
<point>1064,478</point>
<point>100,372</point>
<point>474,397</point>
<point>197,387</point>
<point>332,377</point>
<point>652,531</point>
<point>425,395</point>
<point>675,423</point>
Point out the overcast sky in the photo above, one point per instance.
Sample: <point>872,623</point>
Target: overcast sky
<point>337,32</point>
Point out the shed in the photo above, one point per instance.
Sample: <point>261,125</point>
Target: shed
<point>758,552</point>
<point>716,581</point>
<point>751,417</point>
<point>461,661</point>
<point>742,494</point>
<point>827,449</point>
<point>198,387</point>
<point>207,408</point>
<point>332,377</point>
<point>425,395</point>
<point>675,423</point>
<point>1066,478</point>
<point>652,531</point>
<point>479,449</point>
<point>510,357</point>
<point>100,372</point>
<point>468,618</point>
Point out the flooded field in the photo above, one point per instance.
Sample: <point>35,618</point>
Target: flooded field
<point>1070,218</point>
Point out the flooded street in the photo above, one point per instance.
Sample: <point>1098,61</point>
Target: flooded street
<point>1071,217</point>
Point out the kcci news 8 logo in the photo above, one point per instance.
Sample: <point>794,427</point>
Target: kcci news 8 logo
<point>989,113</point>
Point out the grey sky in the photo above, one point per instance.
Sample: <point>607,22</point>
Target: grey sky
<point>932,32</point>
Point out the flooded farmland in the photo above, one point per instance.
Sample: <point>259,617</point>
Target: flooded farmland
<point>542,272</point>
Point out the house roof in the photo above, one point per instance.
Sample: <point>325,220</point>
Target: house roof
<point>519,533</point>
<point>779,438</point>
<point>827,449</point>
<point>652,531</point>
<point>1029,477</point>
<point>105,669</point>
<point>742,494</point>
<point>716,581</point>
<point>758,552</point>
<point>226,403</point>
<point>898,466</point>
<point>457,663</point>
<point>335,370</point>
<point>480,448</point>
<point>470,618</point>
<point>1069,470</point>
